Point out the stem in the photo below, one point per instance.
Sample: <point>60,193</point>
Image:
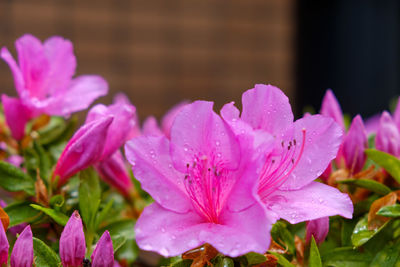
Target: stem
<point>89,241</point>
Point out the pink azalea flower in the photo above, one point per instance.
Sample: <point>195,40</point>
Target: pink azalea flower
<point>103,254</point>
<point>72,242</point>
<point>43,80</point>
<point>388,136</point>
<point>4,246</point>
<point>97,142</point>
<point>351,152</point>
<point>372,124</point>
<point>331,108</point>
<point>22,254</point>
<point>204,185</point>
<point>318,228</point>
<point>300,152</point>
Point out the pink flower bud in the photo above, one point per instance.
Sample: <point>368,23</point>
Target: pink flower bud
<point>103,254</point>
<point>22,254</point>
<point>4,246</point>
<point>388,135</point>
<point>330,107</point>
<point>72,242</point>
<point>318,228</point>
<point>84,149</point>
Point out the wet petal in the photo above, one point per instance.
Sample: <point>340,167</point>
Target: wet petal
<point>311,202</point>
<point>150,127</point>
<point>330,107</point>
<point>153,168</point>
<point>17,115</point>
<point>103,254</point>
<point>266,107</point>
<point>169,117</point>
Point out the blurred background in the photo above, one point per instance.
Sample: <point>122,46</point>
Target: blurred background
<point>160,52</point>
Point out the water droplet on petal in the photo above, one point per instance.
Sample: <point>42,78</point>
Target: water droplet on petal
<point>163,230</point>
<point>164,252</point>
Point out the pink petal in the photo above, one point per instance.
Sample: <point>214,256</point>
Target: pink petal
<point>120,127</point>
<point>153,168</point>
<point>17,74</point>
<point>33,64</point>
<point>372,124</point>
<point>311,202</point>
<point>60,55</point>
<point>22,254</point>
<point>81,92</point>
<point>113,171</point>
<point>388,136</point>
<point>4,246</point>
<point>318,228</point>
<point>150,127</point>
<point>199,132</point>
<point>122,99</point>
<point>169,233</point>
<point>266,107</point>
<point>330,107</point>
<point>169,117</point>
<point>72,242</point>
<point>351,151</point>
<point>17,115</point>
<point>322,140</point>
<point>83,149</point>
<point>103,254</point>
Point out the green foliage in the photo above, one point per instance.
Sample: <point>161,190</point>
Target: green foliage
<point>371,185</point>
<point>21,212</point>
<point>44,255</point>
<point>361,233</point>
<point>14,179</point>
<point>283,236</point>
<point>390,163</point>
<point>315,258</point>
<point>57,216</point>
<point>89,197</point>
<point>390,211</point>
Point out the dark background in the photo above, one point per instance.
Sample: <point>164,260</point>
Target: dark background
<point>161,52</point>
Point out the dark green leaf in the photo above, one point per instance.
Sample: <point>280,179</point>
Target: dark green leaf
<point>224,262</point>
<point>255,258</point>
<point>43,160</point>
<point>282,260</point>
<point>56,202</point>
<point>57,216</point>
<point>57,130</point>
<point>182,263</point>
<point>123,228</point>
<point>129,251</point>
<point>390,211</point>
<point>346,257</point>
<point>388,257</point>
<point>118,241</point>
<point>371,185</point>
<point>347,231</point>
<point>22,212</point>
<point>314,259</point>
<point>44,256</point>
<point>89,196</point>
<point>390,163</point>
<point>13,179</point>
<point>104,213</point>
<point>361,233</point>
<point>282,236</point>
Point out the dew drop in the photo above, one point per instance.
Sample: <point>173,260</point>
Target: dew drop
<point>164,252</point>
<point>173,237</point>
<point>217,143</point>
<point>147,247</point>
<point>163,230</point>
<point>193,243</point>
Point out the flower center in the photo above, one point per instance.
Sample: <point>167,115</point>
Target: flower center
<point>277,168</point>
<point>208,185</point>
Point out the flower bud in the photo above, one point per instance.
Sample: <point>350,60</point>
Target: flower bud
<point>72,242</point>
<point>103,254</point>
<point>22,254</point>
<point>318,228</point>
<point>388,136</point>
<point>330,107</point>
<point>4,246</point>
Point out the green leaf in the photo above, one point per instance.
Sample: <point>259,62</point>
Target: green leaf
<point>57,202</point>
<point>21,212</point>
<point>13,179</point>
<point>282,260</point>
<point>315,258</point>
<point>44,256</point>
<point>57,130</point>
<point>390,163</point>
<point>129,251</point>
<point>371,185</point>
<point>89,196</point>
<point>103,213</point>
<point>118,241</point>
<point>282,236</point>
<point>390,211</point>
<point>43,160</point>
<point>361,233</point>
<point>182,263</point>
<point>255,258</point>
<point>388,257</point>
<point>123,227</point>
<point>57,216</point>
<point>346,257</point>
<point>224,262</point>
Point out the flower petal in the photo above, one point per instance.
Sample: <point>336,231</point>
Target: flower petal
<point>330,107</point>
<point>170,233</point>
<point>4,246</point>
<point>311,202</point>
<point>153,168</point>
<point>81,92</point>
<point>351,151</point>
<point>169,117</point>
<point>266,107</point>
<point>388,136</point>
<point>318,228</point>
<point>113,171</point>
<point>17,115</point>
<point>322,140</point>
<point>22,254</point>
<point>197,132</point>
<point>83,149</point>
<point>60,55</point>
<point>16,72</point>
<point>372,124</point>
<point>150,127</point>
<point>103,254</point>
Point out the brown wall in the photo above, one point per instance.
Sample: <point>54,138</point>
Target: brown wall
<point>162,51</point>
